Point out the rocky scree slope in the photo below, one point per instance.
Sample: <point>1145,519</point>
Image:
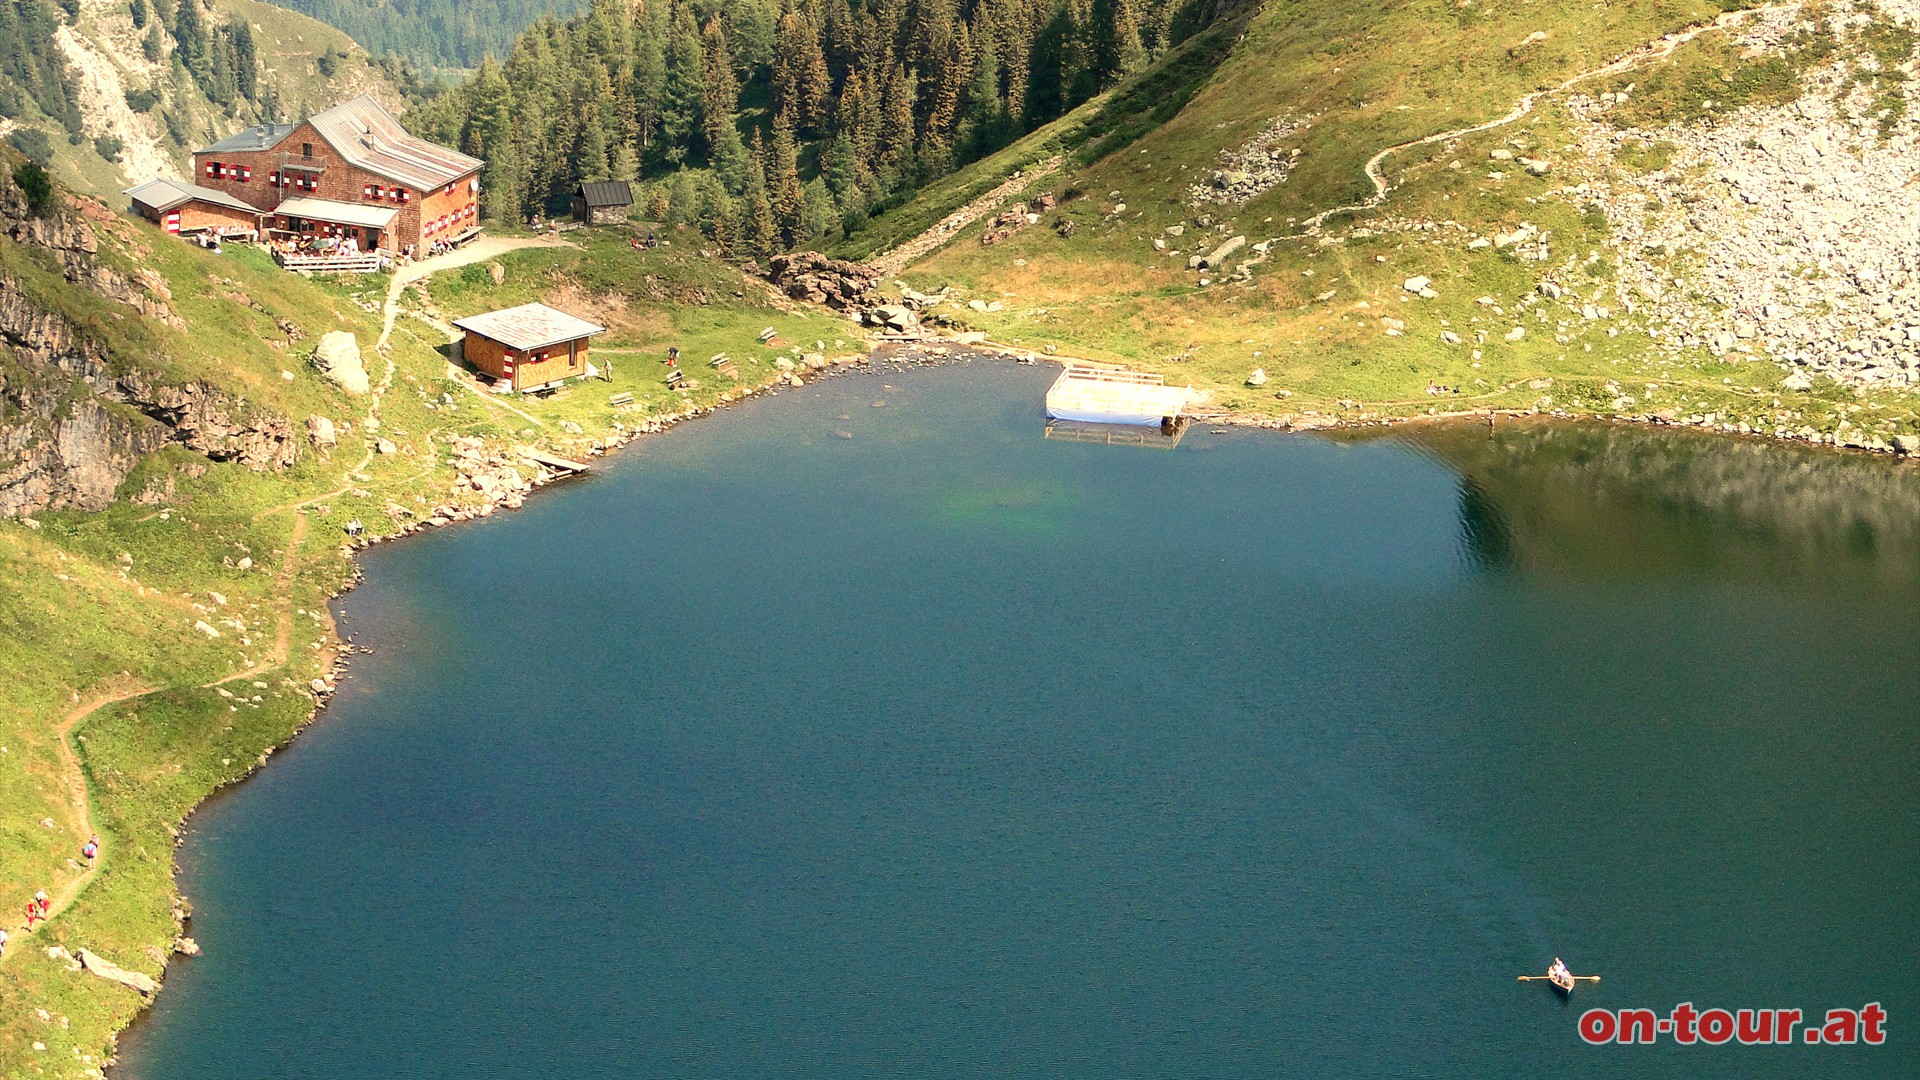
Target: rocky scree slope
<point>1790,231</point>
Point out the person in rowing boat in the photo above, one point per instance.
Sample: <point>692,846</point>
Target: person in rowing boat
<point>1559,971</point>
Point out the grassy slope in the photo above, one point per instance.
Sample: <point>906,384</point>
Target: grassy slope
<point>84,622</point>
<point>1368,76</point>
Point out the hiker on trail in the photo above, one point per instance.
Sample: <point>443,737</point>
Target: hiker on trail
<point>40,898</point>
<point>33,912</point>
<point>92,849</point>
<point>673,355</point>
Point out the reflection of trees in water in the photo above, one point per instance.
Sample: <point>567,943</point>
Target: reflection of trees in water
<point>1588,498</point>
<point>1484,528</point>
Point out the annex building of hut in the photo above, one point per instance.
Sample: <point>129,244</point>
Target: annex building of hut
<point>603,202</point>
<point>189,208</point>
<point>527,347</point>
<point>350,172</point>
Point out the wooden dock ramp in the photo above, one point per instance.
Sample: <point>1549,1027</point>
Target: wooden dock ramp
<point>554,461</point>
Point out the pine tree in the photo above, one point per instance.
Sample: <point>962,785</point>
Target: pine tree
<point>986,123</point>
<point>1115,51</point>
<point>649,73</point>
<point>153,47</point>
<point>818,213</point>
<point>783,183</point>
<point>246,61</point>
<point>1049,70</point>
<point>857,116</point>
<point>951,74</point>
<point>489,126</point>
<point>838,41</point>
<point>719,91</point>
<point>590,160</point>
<point>625,164</point>
<point>658,203</point>
<point>139,14</point>
<point>800,80</point>
<point>682,115</point>
<point>895,164</point>
<point>683,205</point>
<point>189,32</point>
<point>839,166</point>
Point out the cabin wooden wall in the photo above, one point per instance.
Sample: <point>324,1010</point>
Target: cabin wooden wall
<point>561,363</point>
<point>485,354</point>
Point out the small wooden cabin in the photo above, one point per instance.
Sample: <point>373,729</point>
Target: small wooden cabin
<point>529,346</point>
<point>188,208</point>
<point>606,202</point>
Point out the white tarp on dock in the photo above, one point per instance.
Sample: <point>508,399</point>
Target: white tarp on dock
<point>1109,396</point>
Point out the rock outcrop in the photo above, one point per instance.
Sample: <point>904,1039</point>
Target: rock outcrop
<point>337,357</point>
<point>813,277</point>
<point>74,420</point>
<point>107,969</point>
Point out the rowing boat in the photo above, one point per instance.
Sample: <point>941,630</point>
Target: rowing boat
<point>1560,977</point>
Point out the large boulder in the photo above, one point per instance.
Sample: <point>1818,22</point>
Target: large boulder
<point>320,429</point>
<point>107,969</point>
<point>338,358</point>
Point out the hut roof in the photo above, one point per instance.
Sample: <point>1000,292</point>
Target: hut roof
<point>258,137</point>
<point>368,136</point>
<point>164,195</point>
<point>339,213</point>
<point>529,326</point>
<point>607,193</point>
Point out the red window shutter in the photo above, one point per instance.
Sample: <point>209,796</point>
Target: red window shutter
<point>246,172</point>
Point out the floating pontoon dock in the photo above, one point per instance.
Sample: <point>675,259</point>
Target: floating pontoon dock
<point>1111,396</point>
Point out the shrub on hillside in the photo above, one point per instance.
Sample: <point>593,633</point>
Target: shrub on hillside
<point>36,185</point>
<point>33,143</point>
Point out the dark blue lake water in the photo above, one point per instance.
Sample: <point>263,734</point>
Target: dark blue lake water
<point>949,750</point>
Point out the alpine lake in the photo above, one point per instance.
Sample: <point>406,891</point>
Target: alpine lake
<point>821,738</point>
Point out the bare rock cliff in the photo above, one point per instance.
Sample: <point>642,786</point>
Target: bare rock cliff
<point>73,423</point>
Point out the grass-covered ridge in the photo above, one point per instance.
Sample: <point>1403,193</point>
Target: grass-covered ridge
<point>106,626</point>
<point>1325,315</point>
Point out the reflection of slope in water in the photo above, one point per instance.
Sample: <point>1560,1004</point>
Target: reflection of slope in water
<point>1584,499</point>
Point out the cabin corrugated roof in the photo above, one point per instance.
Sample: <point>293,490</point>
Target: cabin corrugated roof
<point>364,215</point>
<point>164,195</point>
<point>367,135</point>
<point>258,137</point>
<point>529,326</point>
<point>607,193</point>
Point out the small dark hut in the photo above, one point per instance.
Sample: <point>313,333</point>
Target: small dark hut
<point>605,202</point>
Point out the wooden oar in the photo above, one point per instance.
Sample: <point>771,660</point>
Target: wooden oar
<point>1576,978</point>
